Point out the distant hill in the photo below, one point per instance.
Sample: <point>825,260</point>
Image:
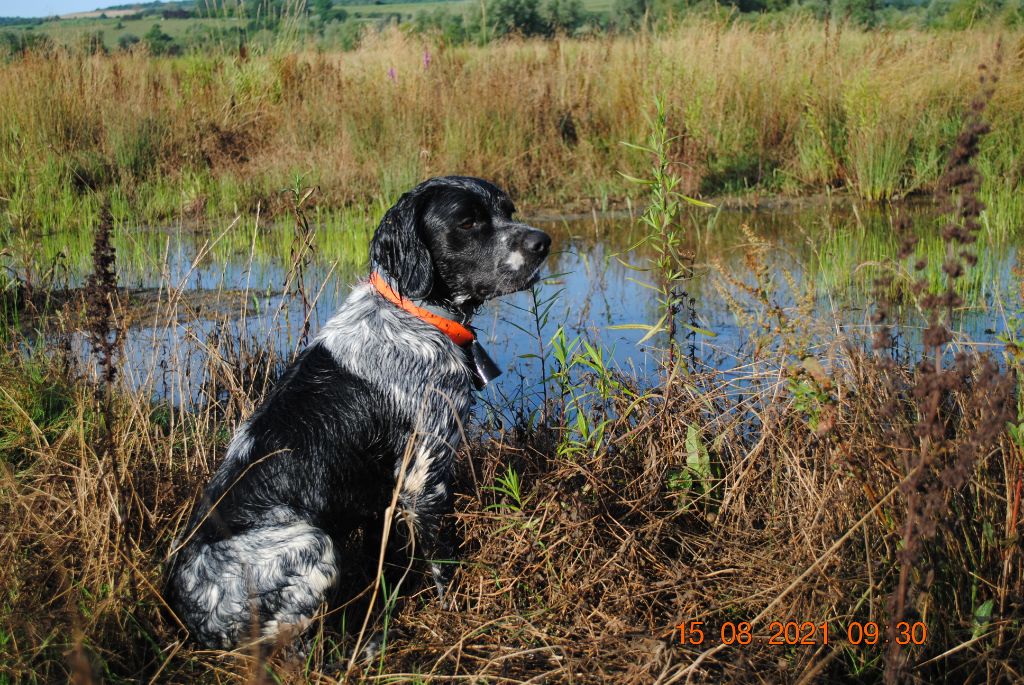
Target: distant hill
<point>150,5</point>
<point>112,11</point>
<point>93,14</point>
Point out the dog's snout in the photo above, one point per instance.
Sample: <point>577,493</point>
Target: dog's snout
<point>537,242</point>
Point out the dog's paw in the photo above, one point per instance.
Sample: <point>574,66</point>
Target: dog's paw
<point>372,648</point>
<point>442,574</point>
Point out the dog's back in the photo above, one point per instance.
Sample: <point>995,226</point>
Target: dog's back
<point>315,461</point>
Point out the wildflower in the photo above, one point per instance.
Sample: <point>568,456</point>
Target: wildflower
<point>426,59</point>
<point>392,74</point>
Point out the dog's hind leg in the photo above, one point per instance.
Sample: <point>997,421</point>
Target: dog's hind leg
<point>262,584</point>
<point>434,543</point>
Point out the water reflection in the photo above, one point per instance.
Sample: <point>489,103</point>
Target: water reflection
<point>821,254</point>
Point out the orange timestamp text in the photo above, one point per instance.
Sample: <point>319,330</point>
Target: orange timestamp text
<point>792,633</point>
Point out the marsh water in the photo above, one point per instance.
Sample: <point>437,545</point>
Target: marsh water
<point>809,266</point>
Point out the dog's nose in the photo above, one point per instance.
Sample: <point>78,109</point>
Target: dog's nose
<point>537,242</point>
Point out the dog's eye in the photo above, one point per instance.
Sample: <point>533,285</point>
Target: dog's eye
<point>467,224</point>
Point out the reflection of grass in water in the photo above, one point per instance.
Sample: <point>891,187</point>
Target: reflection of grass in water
<point>342,238</point>
<point>1001,173</point>
<point>850,257</point>
<point>845,261</point>
<point>838,249</point>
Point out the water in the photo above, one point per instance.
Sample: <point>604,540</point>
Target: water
<point>233,293</point>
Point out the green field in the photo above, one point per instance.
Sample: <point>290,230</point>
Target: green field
<point>72,31</point>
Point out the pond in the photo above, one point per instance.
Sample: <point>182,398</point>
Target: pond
<point>197,296</point>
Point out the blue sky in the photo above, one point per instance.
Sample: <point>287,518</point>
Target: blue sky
<point>46,8</point>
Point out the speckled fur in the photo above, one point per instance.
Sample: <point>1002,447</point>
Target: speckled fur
<point>321,456</point>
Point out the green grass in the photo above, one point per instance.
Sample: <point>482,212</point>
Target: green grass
<point>72,31</point>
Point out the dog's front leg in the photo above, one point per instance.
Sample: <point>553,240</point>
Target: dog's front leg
<point>426,499</point>
<point>435,544</point>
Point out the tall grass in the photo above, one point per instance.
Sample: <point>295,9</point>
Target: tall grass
<point>796,108</point>
<point>592,530</point>
<point>764,493</point>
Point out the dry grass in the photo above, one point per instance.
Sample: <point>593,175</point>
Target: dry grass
<point>796,107</point>
<point>583,572</point>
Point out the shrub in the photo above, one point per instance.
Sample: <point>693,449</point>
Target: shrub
<point>159,43</point>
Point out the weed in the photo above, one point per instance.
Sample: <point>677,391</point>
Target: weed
<point>101,303</point>
<point>510,487</point>
<point>670,265</point>
<point>587,392</point>
<point>949,437</point>
<point>302,252</point>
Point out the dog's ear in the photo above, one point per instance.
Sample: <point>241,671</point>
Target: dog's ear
<point>398,251</point>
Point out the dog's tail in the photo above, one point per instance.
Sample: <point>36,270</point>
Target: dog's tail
<point>204,523</point>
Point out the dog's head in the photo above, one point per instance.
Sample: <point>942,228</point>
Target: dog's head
<point>452,240</point>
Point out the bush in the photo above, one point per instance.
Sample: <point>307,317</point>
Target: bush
<point>862,12</point>
<point>521,17</point>
<point>159,43</point>
<point>566,16</point>
<point>527,18</point>
<point>627,14</point>
<point>345,34</point>
<point>450,27</point>
<point>13,43</point>
<point>963,14</point>
<point>127,41</point>
<point>92,43</point>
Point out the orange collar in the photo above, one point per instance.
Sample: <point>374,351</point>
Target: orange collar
<point>459,334</point>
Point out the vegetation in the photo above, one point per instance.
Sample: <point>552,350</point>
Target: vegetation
<point>207,23</point>
<point>616,526</point>
<point>606,518</point>
<point>801,108</point>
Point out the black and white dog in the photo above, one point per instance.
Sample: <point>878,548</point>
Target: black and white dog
<point>391,375</point>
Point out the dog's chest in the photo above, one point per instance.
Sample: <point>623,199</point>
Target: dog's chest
<point>438,390</point>
<point>423,378</point>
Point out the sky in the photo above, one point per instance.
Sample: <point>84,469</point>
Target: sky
<point>47,8</point>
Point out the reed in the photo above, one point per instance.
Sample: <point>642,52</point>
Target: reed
<point>787,106</point>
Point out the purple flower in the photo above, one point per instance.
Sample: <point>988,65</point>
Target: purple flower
<point>426,59</point>
<point>392,74</point>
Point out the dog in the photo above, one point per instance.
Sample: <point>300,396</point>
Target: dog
<point>376,399</point>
